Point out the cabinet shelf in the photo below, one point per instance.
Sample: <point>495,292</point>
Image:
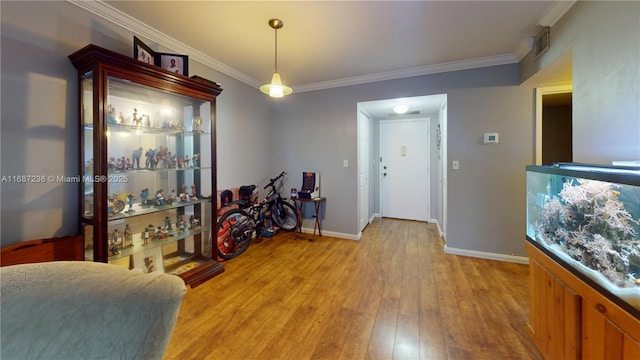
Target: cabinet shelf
<point>138,243</point>
<point>139,210</point>
<point>140,129</point>
<point>144,130</point>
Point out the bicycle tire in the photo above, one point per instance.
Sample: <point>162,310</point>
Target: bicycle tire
<point>235,230</point>
<point>287,219</point>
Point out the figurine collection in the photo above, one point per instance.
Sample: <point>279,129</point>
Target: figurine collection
<point>137,120</point>
<point>158,157</point>
<point>119,240</point>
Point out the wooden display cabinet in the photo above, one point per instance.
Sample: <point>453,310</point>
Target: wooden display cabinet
<point>148,165</point>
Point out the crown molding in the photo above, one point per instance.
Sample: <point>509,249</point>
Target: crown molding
<point>411,72</point>
<point>523,48</point>
<point>555,12</point>
<point>127,22</point>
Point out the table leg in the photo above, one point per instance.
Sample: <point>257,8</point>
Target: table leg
<point>317,224</point>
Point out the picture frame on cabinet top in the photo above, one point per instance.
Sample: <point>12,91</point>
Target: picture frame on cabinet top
<point>177,64</point>
<point>142,52</point>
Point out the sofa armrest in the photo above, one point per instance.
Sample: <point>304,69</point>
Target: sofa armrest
<point>86,310</point>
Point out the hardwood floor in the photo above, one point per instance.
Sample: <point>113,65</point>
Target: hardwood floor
<point>392,295</point>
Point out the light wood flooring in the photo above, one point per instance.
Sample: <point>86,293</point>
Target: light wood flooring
<point>392,295</point>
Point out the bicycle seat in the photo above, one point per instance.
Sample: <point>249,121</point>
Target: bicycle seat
<point>245,192</point>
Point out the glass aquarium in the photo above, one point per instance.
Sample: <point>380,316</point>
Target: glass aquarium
<point>588,219</point>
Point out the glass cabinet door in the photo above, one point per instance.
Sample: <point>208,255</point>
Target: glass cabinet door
<point>155,175</point>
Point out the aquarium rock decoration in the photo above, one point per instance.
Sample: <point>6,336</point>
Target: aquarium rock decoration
<point>590,224</point>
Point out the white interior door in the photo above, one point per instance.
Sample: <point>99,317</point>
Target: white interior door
<point>405,175</point>
<point>363,169</point>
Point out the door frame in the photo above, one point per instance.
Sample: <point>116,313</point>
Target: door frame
<point>540,91</point>
<point>367,160</point>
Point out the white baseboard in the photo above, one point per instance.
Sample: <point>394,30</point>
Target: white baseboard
<point>435,221</point>
<point>486,255</point>
<point>333,234</point>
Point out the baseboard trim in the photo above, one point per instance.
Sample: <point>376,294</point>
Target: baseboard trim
<point>486,255</point>
<point>332,234</point>
<point>435,221</point>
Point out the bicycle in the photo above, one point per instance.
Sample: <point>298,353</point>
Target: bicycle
<point>237,226</point>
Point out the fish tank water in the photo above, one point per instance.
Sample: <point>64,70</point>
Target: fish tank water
<point>587,218</point>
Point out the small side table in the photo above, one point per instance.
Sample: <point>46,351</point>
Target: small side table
<point>299,205</point>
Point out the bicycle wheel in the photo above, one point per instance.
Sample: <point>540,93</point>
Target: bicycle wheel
<point>234,233</point>
<point>285,217</point>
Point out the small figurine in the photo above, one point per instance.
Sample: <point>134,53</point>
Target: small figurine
<point>150,162</point>
<point>145,237</point>
<point>166,159</point>
<point>167,223</point>
<point>137,120</point>
<point>173,197</point>
<point>144,194</point>
<point>196,160</point>
<point>137,154</point>
<point>128,236</point>
<point>111,115</point>
<point>114,236</point>
<point>194,196</point>
<point>197,124</point>
<point>159,198</point>
<point>123,163</point>
<point>180,163</point>
<point>121,119</point>
<point>194,222</point>
<point>186,161</point>
<point>113,243</point>
<point>180,224</point>
<point>130,197</point>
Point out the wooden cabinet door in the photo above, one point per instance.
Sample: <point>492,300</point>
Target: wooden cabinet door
<point>554,315</point>
<point>602,338</point>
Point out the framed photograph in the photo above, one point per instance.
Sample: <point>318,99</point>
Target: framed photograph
<point>175,63</point>
<point>149,261</point>
<point>142,52</point>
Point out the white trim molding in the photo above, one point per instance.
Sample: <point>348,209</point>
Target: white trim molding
<point>417,71</point>
<point>486,255</point>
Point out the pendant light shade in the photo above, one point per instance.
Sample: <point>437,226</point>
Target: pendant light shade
<point>276,89</point>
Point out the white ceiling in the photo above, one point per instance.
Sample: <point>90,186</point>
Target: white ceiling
<point>325,44</point>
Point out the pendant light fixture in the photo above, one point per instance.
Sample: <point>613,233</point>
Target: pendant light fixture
<point>276,89</point>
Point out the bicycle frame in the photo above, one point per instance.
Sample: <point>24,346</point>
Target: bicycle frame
<point>236,227</point>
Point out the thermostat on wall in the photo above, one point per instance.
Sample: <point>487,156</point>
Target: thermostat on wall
<point>491,138</point>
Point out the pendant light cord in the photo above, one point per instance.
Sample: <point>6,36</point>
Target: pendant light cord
<point>276,55</point>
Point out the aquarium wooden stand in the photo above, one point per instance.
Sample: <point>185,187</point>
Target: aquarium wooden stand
<point>569,319</point>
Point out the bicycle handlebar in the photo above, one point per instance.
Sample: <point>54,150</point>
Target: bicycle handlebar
<point>272,181</point>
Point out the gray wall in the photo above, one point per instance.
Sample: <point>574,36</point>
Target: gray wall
<point>317,130</point>
<point>604,38</point>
